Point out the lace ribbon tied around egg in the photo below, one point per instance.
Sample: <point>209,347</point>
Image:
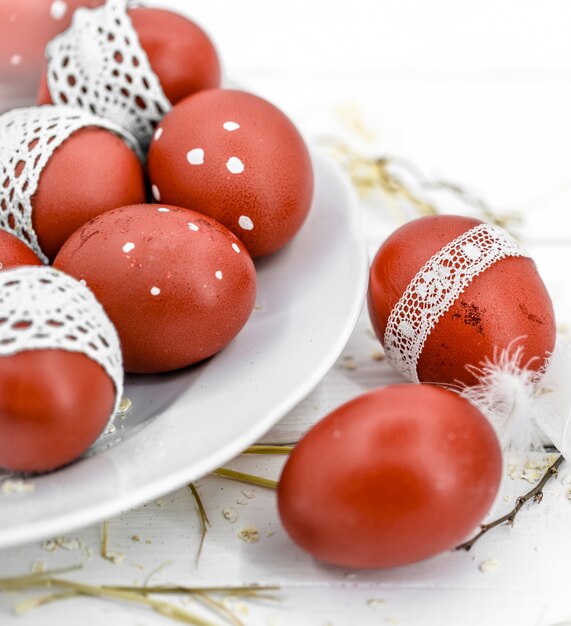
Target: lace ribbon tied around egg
<point>42,308</point>
<point>98,64</point>
<point>30,136</point>
<point>435,288</point>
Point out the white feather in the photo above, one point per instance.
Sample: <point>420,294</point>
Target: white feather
<point>526,408</point>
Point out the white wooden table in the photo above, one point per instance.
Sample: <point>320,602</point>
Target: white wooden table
<point>479,94</point>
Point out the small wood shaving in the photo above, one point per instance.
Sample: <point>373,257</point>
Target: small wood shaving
<point>14,487</point>
<point>159,502</point>
<point>377,355</point>
<point>135,538</point>
<point>241,502</point>
<point>348,363</point>
<point>391,620</point>
<point>230,514</point>
<point>248,493</point>
<point>375,601</point>
<point>249,534</point>
<point>65,543</point>
<point>124,407</point>
<point>117,558</point>
<point>110,429</point>
<point>260,307</point>
<point>568,493</point>
<point>49,545</point>
<point>489,566</point>
<point>38,567</point>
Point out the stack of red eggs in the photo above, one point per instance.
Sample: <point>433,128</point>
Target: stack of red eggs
<point>144,184</point>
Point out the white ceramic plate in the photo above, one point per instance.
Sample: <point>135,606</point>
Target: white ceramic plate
<point>184,425</point>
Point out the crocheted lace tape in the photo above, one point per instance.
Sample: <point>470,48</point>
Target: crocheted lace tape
<point>99,65</point>
<point>42,308</point>
<point>30,136</point>
<point>435,288</point>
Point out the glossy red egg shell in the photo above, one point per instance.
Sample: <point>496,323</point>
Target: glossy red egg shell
<point>393,477</point>
<point>180,53</point>
<point>177,285</point>
<point>93,171</point>
<point>235,157</point>
<point>505,305</point>
<point>14,252</point>
<point>53,406</point>
<point>26,26</point>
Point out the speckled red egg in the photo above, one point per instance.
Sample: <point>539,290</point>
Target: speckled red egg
<point>93,171</point>
<point>505,306</point>
<point>26,27</point>
<point>177,285</point>
<point>180,53</point>
<point>235,157</point>
<point>14,252</point>
<point>53,406</point>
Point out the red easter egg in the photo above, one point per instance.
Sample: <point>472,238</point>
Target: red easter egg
<point>53,406</point>
<point>93,171</point>
<point>14,252</point>
<point>505,306</point>
<point>235,157</point>
<point>395,476</point>
<point>177,285</point>
<point>26,27</point>
<point>179,51</point>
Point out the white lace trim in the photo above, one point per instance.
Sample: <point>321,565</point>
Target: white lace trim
<point>98,64</point>
<point>43,308</point>
<point>28,139</point>
<point>435,288</point>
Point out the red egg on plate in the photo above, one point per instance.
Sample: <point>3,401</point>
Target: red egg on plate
<point>60,369</point>
<point>395,476</point>
<point>14,252</point>
<point>481,297</point>
<point>177,285</point>
<point>236,157</point>
<point>63,167</point>
<point>180,53</point>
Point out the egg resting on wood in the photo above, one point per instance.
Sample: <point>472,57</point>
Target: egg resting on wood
<point>395,476</point>
<point>447,292</point>
<point>236,157</point>
<point>60,369</point>
<point>177,285</point>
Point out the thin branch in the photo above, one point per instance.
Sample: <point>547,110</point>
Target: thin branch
<point>535,494</point>
<point>204,521</point>
<point>267,449</point>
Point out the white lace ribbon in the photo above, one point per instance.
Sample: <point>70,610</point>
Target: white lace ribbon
<point>436,287</point>
<point>98,64</point>
<point>42,308</point>
<point>28,139</point>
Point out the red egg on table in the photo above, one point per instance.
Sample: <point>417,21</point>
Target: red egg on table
<point>26,27</point>
<point>236,157</point>
<point>447,292</point>
<point>395,476</point>
<point>60,369</point>
<point>62,167</point>
<point>177,284</point>
<point>14,252</point>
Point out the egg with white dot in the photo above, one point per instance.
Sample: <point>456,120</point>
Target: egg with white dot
<point>190,294</point>
<point>252,162</point>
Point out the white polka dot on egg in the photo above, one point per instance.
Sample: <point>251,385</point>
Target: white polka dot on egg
<point>155,291</point>
<point>236,248</point>
<point>245,222</point>
<point>195,156</point>
<point>128,247</point>
<point>193,226</point>
<point>234,165</point>
<point>58,9</point>
<point>218,275</point>
<point>156,193</point>
<point>230,126</point>
<point>16,59</point>
<point>164,209</point>
<point>158,134</point>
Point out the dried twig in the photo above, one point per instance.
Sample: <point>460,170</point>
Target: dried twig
<point>268,449</point>
<point>250,479</point>
<point>535,494</point>
<point>204,521</point>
